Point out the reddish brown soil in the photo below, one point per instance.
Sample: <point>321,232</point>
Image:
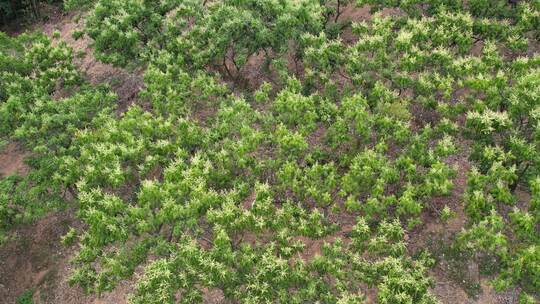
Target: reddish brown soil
<point>12,160</point>
<point>37,261</point>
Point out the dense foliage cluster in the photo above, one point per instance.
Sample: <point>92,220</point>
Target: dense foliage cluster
<point>302,186</point>
<point>33,72</point>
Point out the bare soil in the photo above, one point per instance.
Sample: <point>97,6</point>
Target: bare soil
<point>12,160</point>
<point>37,261</point>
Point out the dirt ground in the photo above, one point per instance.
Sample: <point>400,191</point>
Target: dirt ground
<point>12,160</point>
<point>36,260</point>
